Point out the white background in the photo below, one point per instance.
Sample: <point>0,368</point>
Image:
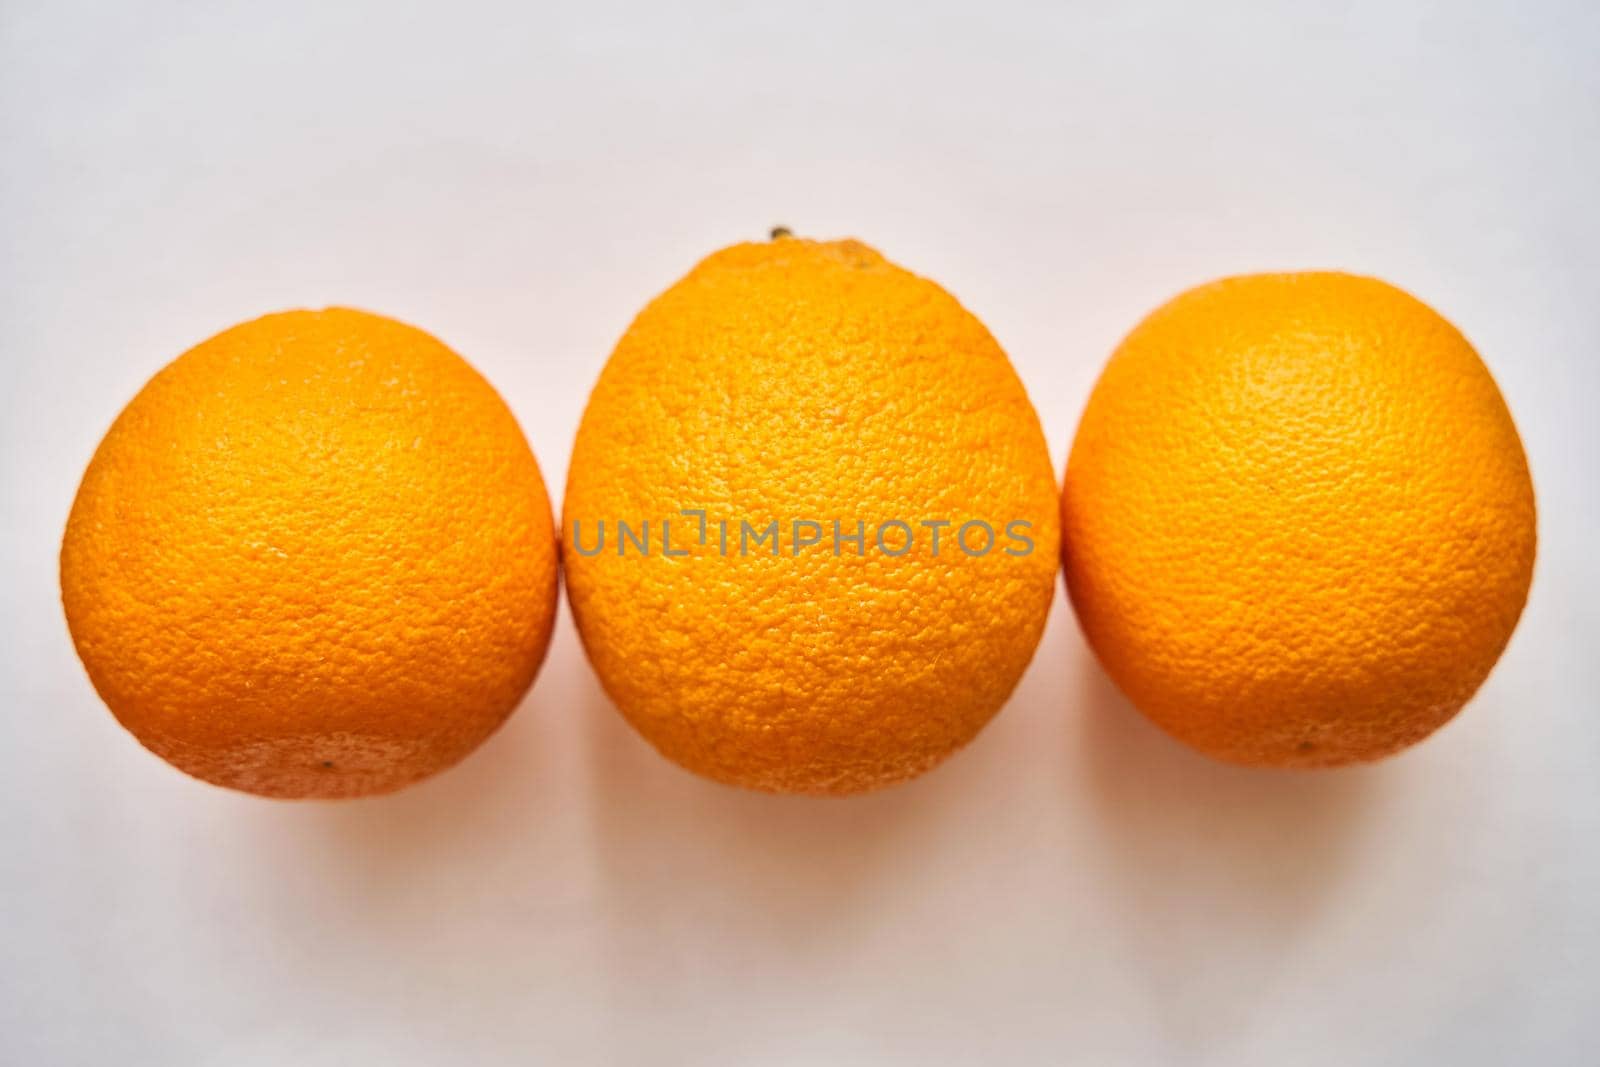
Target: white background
<point>1074,887</point>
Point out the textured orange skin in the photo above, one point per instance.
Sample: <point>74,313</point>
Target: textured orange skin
<point>806,380</point>
<point>1298,523</point>
<point>312,558</point>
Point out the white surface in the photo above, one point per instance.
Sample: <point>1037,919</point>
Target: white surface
<point>1074,887</point>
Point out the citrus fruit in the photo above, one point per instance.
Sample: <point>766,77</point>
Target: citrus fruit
<point>797,422</point>
<point>313,557</point>
<point>1298,523</point>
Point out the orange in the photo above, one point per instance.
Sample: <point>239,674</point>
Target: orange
<point>313,557</point>
<point>800,382</point>
<point>1298,523</point>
